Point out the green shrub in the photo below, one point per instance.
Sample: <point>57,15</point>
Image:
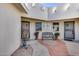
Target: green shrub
<point>57,34</point>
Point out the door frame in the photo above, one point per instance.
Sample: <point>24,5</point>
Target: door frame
<point>29,27</point>
<point>73,29</point>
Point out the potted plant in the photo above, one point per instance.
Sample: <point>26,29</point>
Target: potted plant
<point>57,35</point>
<point>36,35</point>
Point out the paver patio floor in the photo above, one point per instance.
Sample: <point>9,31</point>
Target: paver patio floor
<point>49,48</point>
<point>64,47</point>
<point>56,48</point>
<point>23,52</point>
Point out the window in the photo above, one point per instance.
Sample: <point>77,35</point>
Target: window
<point>38,26</point>
<point>56,26</point>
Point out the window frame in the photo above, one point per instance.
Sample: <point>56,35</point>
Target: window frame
<point>38,24</point>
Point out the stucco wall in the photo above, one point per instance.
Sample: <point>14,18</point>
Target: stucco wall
<point>48,27</point>
<point>10,29</point>
<point>77,30</point>
<point>61,29</point>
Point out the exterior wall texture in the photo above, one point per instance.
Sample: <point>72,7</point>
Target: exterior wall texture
<point>48,27</point>
<point>10,23</point>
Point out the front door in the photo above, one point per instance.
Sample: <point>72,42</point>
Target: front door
<point>69,30</point>
<point>25,30</point>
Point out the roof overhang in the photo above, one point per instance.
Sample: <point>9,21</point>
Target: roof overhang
<point>21,6</point>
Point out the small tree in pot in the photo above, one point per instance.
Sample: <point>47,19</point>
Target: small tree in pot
<point>36,35</point>
<point>57,35</point>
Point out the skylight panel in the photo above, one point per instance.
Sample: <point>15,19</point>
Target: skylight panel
<point>66,6</point>
<point>54,9</point>
<point>43,8</point>
<point>33,4</point>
